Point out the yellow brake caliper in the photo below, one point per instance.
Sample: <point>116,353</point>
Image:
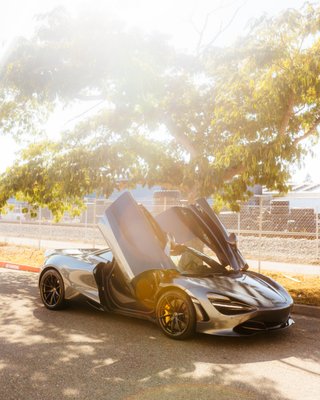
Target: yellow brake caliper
<point>167,317</point>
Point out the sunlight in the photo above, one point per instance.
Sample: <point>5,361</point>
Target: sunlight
<point>19,325</point>
<point>307,365</point>
<point>71,392</point>
<point>202,370</point>
<point>2,365</point>
<point>78,338</point>
<point>104,363</point>
<point>184,22</point>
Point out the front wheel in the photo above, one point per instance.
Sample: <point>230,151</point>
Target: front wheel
<point>176,315</point>
<point>52,290</point>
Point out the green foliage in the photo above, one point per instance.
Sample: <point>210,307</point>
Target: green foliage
<point>213,124</point>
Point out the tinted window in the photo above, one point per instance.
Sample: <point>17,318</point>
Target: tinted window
<point>107,255</point>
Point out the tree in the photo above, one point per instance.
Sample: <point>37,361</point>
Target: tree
<point>268,98</point>
<point>85,58</point>
<point>229,117</point>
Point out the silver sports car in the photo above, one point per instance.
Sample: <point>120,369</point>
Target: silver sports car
<point>182,270</point>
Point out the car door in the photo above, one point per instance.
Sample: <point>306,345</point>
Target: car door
<point>132,238</point>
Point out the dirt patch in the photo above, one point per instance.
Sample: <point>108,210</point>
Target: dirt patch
<point>303,289</point>
<point>21,255</point>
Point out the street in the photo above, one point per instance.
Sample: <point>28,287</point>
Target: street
<point>82,353</point>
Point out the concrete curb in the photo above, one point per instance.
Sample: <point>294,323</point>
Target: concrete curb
<point>18,267</point>
<point>309,311</point>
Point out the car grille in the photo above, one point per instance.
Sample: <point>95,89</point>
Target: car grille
<point>275,319</point>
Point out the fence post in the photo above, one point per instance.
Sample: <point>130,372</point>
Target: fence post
<point>51,226</point>
<point>86,223</point>
<point>317,235</point>
<point>40,228</point>
<point>238,228</point>
<point>260,233</point>
<point>94,221</point>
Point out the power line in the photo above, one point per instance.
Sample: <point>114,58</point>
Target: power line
<point>84,112</point>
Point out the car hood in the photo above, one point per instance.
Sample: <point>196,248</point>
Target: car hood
<point>200,221</point>
<point>132,238</point>
<point>248,287</point>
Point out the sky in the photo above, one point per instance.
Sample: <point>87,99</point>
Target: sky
<point>180,19</point>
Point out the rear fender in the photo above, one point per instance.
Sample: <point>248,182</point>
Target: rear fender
<point>69,292</point>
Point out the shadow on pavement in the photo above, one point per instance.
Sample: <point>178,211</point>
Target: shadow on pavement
<point>83,353</point>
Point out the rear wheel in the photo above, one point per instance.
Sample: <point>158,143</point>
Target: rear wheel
<point>52,290</point>
<point>176,315</point>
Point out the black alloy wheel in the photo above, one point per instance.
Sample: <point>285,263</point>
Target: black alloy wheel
<point>176,315</point>
<point>52,290</point>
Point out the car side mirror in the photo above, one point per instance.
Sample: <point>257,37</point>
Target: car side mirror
<point>233,240</point>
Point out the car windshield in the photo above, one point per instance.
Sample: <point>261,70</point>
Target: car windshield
<point>189,260</point>
<point>186,228</point>
<point>105,254</point>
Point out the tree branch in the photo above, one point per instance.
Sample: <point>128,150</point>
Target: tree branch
<point>311,131</point>
<point>223,28</point>
<point>233,171</point>
<point>287,114</point>
<point>180,136</point>
<point>202,30</point>
<point>201,33</point>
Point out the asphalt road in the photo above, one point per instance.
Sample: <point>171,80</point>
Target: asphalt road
<point>81,353</point>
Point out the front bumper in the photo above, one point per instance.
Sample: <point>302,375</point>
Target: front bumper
<point>249,324</point>
<point>252,327</point>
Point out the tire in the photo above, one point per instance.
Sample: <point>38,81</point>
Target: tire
<point>176,315</point>
<point>52,290</point>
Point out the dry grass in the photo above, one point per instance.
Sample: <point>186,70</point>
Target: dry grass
<point>303,289</point>
<point>21,255</point>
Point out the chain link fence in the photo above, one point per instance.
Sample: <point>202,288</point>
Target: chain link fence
<point>276,230</point>
<point>268,228</point>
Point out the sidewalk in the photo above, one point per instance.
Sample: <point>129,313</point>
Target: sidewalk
<point>50,244</point>
<point>289,268</point>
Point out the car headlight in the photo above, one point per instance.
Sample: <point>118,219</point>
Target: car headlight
<point>227,306</point>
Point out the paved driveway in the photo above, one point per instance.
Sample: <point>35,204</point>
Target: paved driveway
<point>81,353</point>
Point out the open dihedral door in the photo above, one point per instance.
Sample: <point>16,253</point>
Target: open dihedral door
<point>226,241</point>
<point>199,221</point>
<point>132,238</point>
